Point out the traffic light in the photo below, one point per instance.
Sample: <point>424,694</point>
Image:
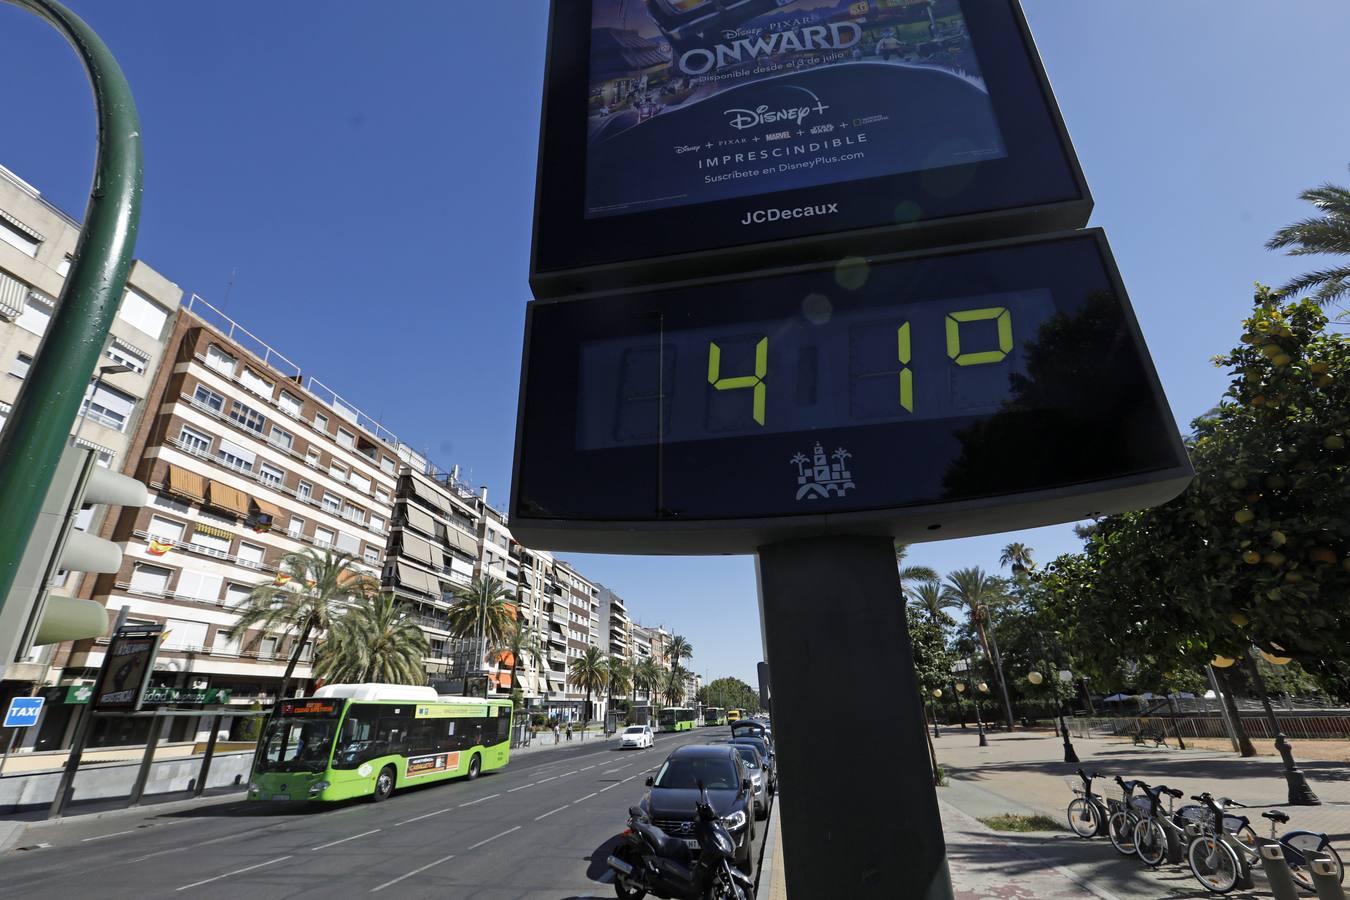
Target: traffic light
<point>31,614</point>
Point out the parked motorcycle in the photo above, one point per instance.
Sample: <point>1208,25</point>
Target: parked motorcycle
<point>649,861</point>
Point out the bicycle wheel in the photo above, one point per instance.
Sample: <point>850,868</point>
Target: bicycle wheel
<point>1150,842</point>
<point>1214,864</point>
<point>1297,846</point>
<point>1084,817</point>
<point>1120,828</point>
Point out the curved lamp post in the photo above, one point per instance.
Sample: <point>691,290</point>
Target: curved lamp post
<point>1070,756</point>
<point>39,423</point>
<point>937,695</point>
<point>1300,793</point>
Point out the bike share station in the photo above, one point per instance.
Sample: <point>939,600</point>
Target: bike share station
<point>808,282</point>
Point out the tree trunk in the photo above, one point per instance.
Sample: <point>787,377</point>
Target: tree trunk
<point>997,664</point>
<point>1245,747</point>
<point>928,734</point>
<point>295,658</point>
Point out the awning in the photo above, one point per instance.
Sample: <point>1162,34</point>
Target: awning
<point>427,494</point>
<point>416,579</point>
<point>416,548</point>
<point>226,497</point>
<point>212,531</point>
<point>462,542</point>
<point>419,519</point>
<point>267,509</point>
<point>13,294</point>
<point>187,484</point>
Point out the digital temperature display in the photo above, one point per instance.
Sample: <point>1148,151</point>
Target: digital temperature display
<point>983,388</point>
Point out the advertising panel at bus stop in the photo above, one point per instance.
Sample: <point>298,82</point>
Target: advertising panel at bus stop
<point>763,130</point>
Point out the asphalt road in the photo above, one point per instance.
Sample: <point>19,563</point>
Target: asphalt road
<point>540,828</point>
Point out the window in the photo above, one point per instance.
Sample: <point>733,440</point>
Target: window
<point>35,316</point>
<point>165,529</point>
<point>236,595</point>
<point>282,438</point>
<point>313,459</point>
<point>184,635</point>
<point>295,527</point>
<point>323,537</point>
<point>219,360</point>
<point>346,439</point>
<point>332,503</point>
<point>359,481</point>
<point>387,464</point>
<point>337,470</point>
<point>290,404</point>
<point>138,311</point>
<point>255,382</point>
<point>304,490</point>
<point>321,421</point>
<point>209,398</point>
<point>235,456</point>
<point>225,643</point>
<point>63,267</point>
<point>199,586</point>
<point>383,496</point>
<point>247,416</point>
<point>250,555</point>
<point>213,544</point>
<point>194,441</point>
<point>348,543</point>
<point>164,501</point>
<point>267,648</point>
<point>376,523</point>
<point>270,475</point>
<point>19,368</point>
<point>21,237</point>
<point>353,513</point>
<point>371,556</point>
<point>134,358</point>
<point>108,406</point>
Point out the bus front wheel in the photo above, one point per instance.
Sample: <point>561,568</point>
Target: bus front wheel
<point>475,766</point>
<point>384,784</point>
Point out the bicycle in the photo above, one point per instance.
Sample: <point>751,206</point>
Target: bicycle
<point>1157,837</point>
<point>1087,812</point>
<point>1297,844</point>
<point>1126,813</point>
<point>1216,856</point>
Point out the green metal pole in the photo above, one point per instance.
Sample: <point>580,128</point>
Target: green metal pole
<point>39,424</point>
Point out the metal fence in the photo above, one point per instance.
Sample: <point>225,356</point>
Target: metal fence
<point>1295,727</point>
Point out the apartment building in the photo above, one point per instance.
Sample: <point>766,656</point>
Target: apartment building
<point>37,246</point>
<point>615,627</point>
<point>246,461</point>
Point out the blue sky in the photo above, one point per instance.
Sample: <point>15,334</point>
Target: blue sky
<point>366,168</point>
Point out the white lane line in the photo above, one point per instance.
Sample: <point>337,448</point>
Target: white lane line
<point>549,813</point>
<point>522,787</point>
<point>480,800</point>
<point>412,873</point>
<point>614,785</point>
<point>494,837</point>
<point>588,768</point>
<point>343,840</point>
<point>235,872</point>
<point>565,774</point>
<point>628,779</point>
<point>420,818</point>
<point>612,771</point>
<point>102,836</point>
<point>549,778</point>
<point>587,797</point>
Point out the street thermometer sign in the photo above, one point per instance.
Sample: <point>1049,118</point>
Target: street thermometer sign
<point>984,388</point>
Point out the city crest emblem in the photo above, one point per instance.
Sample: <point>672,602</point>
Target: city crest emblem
<point>818,476</point>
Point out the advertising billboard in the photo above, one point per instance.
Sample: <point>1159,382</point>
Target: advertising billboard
<point>127,667</point>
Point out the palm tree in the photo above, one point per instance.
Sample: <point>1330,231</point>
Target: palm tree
<point>1017,555</point>
<point>975,590</point>
<point>620,677</point>
<point>374,640</point>
<point>307,593</point>
<point>1327,233</point>
<point>675,685</point>
<point>911,573</point>
<point>647,675</point>
<point>590,672</point>
<point>521,642</point>
<point>679,650</point>
<point>932,599</point>
<point>485,612</point>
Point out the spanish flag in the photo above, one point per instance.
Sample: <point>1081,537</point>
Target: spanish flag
<point>281,579</point>
<point>158,548</point>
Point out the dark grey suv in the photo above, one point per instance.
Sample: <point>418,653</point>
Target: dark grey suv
<point>674,792</point>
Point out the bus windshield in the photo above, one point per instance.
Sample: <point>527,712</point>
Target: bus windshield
<point>297,745</point>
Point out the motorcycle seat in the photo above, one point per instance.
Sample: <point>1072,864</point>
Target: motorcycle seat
<point>666,846</point>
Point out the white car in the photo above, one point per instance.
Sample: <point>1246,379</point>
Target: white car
<point>639,736</point>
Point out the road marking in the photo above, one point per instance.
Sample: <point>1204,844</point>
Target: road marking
<point>113,834</point>
<point>587,797</point>
<point>549,778</point>
<point>614,785</point>
<point>629,778</point>
<point>480,799</point>
<point>427,816</point>
<point>565,774</point>
<point>612,771</point>
<point>344,840</point>
<point>412,873</point>
<point>235,872</point>
<point>549,813</point>
<point>494,837</point>
<point>588,768</point>
<point>522,787</point>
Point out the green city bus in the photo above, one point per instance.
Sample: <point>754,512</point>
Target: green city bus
<point>365,740</point>
<point>714,715</point>
<point>677,718</point>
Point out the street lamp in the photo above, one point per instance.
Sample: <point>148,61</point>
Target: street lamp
<point>937,695</point>
<point>1037,678</point>
<point>1300,793</point>
<point>959,688</point>
<point>103,371</point>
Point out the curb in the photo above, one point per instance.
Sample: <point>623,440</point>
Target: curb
<point>764,887</point>
<point>153,808</point>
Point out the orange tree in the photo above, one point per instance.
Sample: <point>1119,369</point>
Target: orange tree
<point>1257,549</point>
